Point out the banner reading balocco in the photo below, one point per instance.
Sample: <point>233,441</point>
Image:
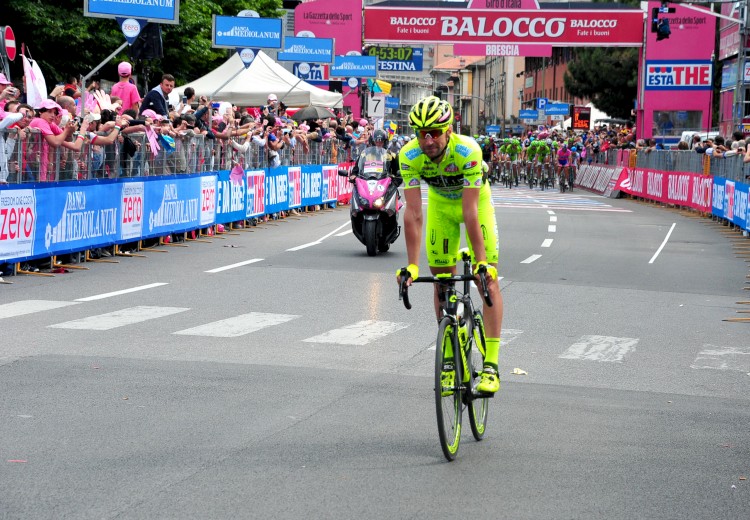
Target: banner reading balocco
<point>558,27</point>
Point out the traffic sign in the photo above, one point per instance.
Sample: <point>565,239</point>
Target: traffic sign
<point>541,103</point>
<point>9,42</point>
<point>528,114</point>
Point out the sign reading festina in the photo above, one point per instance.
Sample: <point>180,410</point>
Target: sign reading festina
<point>558,27</point>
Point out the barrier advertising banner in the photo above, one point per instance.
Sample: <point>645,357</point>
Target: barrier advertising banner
<point>561,28</point>
<point>730,201</point>
<point>47,219</point>
<point>682,189</point>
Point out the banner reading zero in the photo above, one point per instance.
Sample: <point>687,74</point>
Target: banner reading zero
<point>562,27</point>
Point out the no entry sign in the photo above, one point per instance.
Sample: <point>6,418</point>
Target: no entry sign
<point>9,42</point>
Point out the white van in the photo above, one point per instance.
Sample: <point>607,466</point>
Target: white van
<point>687,136</point>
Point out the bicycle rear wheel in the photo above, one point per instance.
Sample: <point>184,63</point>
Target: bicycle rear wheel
<point>478,408</point>
<point>448,407</point>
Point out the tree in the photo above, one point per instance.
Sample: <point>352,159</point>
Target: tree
<point>65,42</point>
<point>608,76</point>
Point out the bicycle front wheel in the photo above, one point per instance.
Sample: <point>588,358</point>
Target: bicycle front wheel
<point>447,389</point>
<point>478,408</point>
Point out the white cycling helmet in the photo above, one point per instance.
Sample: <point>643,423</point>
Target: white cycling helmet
<point>549,141</point>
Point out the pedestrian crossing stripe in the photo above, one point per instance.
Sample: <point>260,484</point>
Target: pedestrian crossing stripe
<point>121,318</point>
<point>238,325</point>
<point>20,308</point>
<point>600,348</point>
<point>718,358</point>
<point>360,333</point>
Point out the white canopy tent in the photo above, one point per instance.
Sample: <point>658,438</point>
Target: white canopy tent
<point>251,86</point>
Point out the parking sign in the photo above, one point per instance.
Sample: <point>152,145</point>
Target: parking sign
<point>541,103</point>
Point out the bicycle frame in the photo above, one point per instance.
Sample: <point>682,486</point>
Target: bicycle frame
<point>455,386</point>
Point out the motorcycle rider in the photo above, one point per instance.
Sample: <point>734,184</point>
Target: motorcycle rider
<point>378,139</point>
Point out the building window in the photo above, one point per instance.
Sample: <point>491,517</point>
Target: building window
<point>674,122</point>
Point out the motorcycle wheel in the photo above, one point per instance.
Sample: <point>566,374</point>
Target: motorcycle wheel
<point>371,238</point>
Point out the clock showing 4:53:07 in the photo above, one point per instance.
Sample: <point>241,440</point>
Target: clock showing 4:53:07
<point>391,53</point>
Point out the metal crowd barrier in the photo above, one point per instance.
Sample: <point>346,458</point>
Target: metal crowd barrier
<point>732,167</point>
<point>32,159</point>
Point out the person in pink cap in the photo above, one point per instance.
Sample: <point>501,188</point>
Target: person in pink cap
<point>52,135</point>
<point>7,91</point>
<point>125,89</point>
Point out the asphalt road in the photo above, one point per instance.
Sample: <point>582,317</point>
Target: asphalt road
<point>296,385</point>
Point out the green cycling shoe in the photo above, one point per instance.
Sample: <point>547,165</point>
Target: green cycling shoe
<point>489,381</point>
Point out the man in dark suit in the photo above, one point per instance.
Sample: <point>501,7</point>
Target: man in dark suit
<point>156,99</point>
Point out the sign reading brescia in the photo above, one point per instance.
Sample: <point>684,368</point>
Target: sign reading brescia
<point>567,27</point>
<point>502,49</point>
<point>314,50</point>
<point>160,11</point>
<point>234,32</point>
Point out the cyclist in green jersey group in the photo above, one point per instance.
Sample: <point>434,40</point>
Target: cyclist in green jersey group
<point>458,192</point>
<point>512,154</point>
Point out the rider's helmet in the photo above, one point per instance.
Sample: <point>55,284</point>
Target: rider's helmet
<point>378,136</point>
<point>564,145</point>
<point>431,112</point>
<point>549,142</point>
<point>574,148</point>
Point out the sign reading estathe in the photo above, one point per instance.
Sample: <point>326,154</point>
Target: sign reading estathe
<point>679,75</point>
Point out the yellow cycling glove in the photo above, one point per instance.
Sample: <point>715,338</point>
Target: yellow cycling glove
<point>413,271</point>
<point>491,270</point>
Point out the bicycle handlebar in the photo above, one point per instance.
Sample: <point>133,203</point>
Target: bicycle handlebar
<point>403,289</point>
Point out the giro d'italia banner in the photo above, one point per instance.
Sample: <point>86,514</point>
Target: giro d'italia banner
<point>561,28</point>
<point>41,220</point>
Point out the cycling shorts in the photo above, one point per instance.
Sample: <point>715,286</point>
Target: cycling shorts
<point>444,219</point>
<point>562,162</point>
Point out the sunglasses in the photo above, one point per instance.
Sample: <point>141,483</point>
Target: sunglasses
<point>434,133</point>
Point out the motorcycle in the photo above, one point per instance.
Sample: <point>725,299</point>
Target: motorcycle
<point>375,201</point>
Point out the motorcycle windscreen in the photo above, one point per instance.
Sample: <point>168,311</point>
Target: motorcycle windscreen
<point>374,163</point>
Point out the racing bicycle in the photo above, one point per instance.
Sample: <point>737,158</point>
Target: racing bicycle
<point>461,345</point>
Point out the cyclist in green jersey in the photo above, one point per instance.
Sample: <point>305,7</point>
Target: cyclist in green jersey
<point>458,193</point>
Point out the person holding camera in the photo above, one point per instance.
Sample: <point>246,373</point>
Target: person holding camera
<point>7,91</point>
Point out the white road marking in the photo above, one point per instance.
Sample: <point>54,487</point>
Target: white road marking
<point>550,212</point>
<point>11,310</point>
<point>508,335</point>
<point>112,320</point>
<point>600,348</point>
<point>547,242</point>
<point>232,266</point>
<point>553,219</point>
<point>360,333</point>
<point>727,358</point>
<point>344,233</point>
<point>551,228</point>
<point>320,240</point>
<point>238,325</point>
<point>530,259</point>
<point>118,293</point>
<point>663,243</point>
